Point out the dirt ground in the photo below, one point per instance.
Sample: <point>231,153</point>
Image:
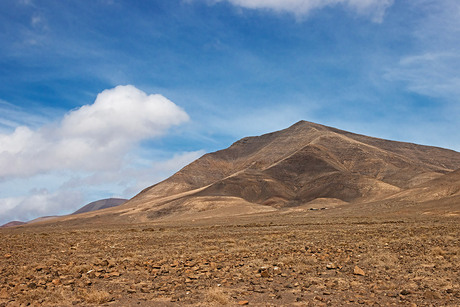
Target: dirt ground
<point>290,260</point>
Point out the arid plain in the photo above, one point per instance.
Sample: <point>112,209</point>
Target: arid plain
<point>294,259</point>
<point>309,215</point>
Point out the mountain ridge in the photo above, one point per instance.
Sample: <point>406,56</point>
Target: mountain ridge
<point>298,168</point>
<point>93,206</point>
<point>273,169</point>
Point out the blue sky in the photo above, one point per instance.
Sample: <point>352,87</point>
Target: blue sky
<point>103,98</point>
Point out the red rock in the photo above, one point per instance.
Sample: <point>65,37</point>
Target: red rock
<point>243,303</point>
<point>4,294</point>
<point>358,271</point>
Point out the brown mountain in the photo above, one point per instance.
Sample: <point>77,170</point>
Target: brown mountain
<point>12,224</point>
<point>101,204</point>
<point>304,166</point>
<point>305,163</point>
<point>444,187</point>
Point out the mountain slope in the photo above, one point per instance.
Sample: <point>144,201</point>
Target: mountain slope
<point>294,166</point>
<point>445,186</point>
<point>306,166</point>
<point>12,224</point>
<point>101,204</point>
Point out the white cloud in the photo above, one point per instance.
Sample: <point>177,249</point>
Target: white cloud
<point>375,9</point>
<point>136,176</point>
<point>65,193</point>
<point>13,116</point>
<point>92,152</point>
<point>432,70</point>
<point>38,203</point>
<point>92,138</point>
<point>431,74</point>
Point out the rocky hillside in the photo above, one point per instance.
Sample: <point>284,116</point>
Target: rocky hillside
<point>295,166</point>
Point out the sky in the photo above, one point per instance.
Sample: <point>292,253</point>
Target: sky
<point>104,98</point>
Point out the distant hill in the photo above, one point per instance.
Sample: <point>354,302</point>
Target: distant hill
<point>43,218</point>
<point>101,204</point>
<point>12,224</point>
<point>93,206</point>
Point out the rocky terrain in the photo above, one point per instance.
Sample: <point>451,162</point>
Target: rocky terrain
<point>297,259</point>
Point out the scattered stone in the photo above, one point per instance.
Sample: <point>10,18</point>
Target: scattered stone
<point>104,263</point>
<point>431,295</point>
<point>114,274</point>
<point>39,268</point>
<point>111,263</point>
<point>32,285</point>
<point>405,292</point>
<point>331,266</point>
<point>4,294</point>
<point>243,303</point>
<point>358,271</point>
<point>7,256</point>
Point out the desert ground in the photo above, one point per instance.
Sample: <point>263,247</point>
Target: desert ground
<point>309,258</point>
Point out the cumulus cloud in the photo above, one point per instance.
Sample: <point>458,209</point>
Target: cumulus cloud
<point>372,8</point>
<point>76,189</point>
<point>92,152</point>
<point>92,138</point>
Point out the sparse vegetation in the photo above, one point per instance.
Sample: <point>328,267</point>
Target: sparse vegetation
<point>295,259</point>
<point>95,296</point>
<point>216,295</point>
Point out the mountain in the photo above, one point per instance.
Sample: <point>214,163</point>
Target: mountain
<point>304,167</point>
<point>12,224</point>
<point>101,204</point>
<point>302,164</point>
<point>447,186</point>
<point>93,206</point>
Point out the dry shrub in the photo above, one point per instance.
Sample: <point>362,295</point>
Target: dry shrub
<point>95,296</point>
<point>384,260</point>
<point>438,251</point>
<point>79,269</point>
<point>42,296</point>
<point>216,295</point>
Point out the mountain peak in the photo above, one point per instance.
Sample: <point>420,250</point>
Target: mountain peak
<point>295,166</point>
<point>304,165</point>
